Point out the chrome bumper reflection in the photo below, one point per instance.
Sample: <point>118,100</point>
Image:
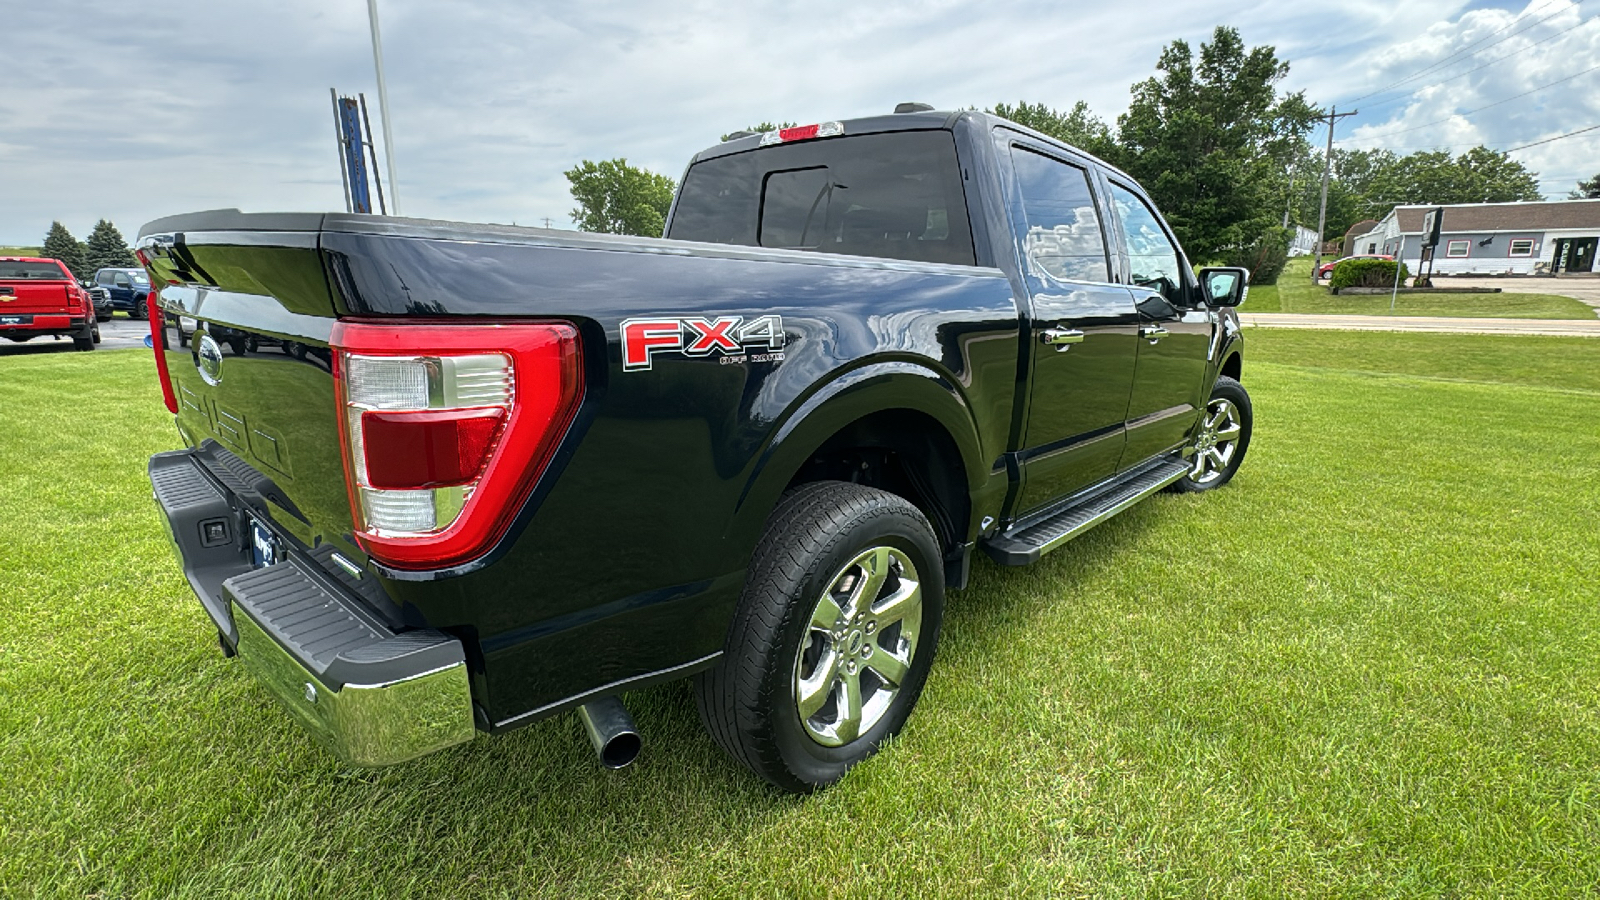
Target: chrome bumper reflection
<point>364,724</point>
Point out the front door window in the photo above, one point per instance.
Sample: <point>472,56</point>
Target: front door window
<point>1152,258</point>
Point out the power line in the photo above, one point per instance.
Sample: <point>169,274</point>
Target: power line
<point>1556,138</point>
<point>1478,109</point>
<point>1559,34</point>
<point>1467,50</point>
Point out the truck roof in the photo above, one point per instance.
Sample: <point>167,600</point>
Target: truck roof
<point>910,121</point>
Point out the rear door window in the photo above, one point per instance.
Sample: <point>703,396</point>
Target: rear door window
<point>896,196</point>
<point>1064,241</point>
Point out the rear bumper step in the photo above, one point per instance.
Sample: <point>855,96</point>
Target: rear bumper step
<point>372,695</point>
<point>1025,545</point>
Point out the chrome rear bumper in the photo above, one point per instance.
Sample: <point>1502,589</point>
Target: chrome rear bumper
<point>364,724</point>
<point>373,695</point>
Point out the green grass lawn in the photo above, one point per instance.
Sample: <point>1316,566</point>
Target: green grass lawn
<point>19,251</point>
<point>1366,668</point>
<point>1294,293</point>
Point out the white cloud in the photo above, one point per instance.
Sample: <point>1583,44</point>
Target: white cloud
<point>217,103</point>
<point>1459,105</point>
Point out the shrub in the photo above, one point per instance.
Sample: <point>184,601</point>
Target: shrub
<point>1365,273</point>
<point>1264,257</point>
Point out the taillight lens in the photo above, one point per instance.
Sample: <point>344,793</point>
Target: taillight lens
<point>446,429</point>
<point>802,133</point>
<point>158,342</point>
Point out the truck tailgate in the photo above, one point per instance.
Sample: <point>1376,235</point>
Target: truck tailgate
<point>25,297</point>
<point>246,319</point>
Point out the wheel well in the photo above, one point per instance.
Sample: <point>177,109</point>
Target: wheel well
<point>903,452</point>
<point>1232,366</point>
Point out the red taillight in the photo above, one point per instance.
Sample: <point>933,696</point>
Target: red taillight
<point>446,429</point>
<point>158,341</point>
<point>414,450</point>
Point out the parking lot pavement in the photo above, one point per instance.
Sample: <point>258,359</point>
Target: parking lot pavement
<point>1583,289</point>
<point>117,333</point>
<point>120,332</point>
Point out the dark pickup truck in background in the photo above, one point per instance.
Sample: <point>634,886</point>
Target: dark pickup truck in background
<point>509,472</point>
<point>126,289</point>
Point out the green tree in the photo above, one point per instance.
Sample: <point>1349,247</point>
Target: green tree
<point>1079,126</point>
<point>1587,190</point>
<point>616,198</point>
<point>60,244</point>
<point>1212,141</point>
<point>106,248</point>
<point>1479,175</point>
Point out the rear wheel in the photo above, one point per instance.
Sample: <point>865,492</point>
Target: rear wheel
<point>140,309</point>
<point>833,637</point>
<point>1224,436</point>
<point>84,339</point>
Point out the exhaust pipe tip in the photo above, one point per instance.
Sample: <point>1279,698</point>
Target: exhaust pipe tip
<point>611,730</point>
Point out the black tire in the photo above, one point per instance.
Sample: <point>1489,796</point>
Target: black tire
<point>140,309</point>
<point>748,699</point>
<point>84,340</point>
<point>1228,398</point>
<point>96,332</point>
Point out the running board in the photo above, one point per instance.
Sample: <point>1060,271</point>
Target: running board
<point>1025,545</point>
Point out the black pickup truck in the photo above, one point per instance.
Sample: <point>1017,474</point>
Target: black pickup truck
<point>445,478</point>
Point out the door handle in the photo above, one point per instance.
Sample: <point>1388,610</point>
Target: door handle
<point>1152,333</point>
<point>1061,337</point>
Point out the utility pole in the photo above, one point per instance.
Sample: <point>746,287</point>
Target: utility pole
<point>1332,117</point>
<point>383,104</point>
<point>1289,204</point>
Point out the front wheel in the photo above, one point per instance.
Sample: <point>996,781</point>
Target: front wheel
<point>1220,444</point>
<point>833,637</point>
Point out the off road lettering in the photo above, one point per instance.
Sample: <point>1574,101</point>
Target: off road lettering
<point>697,336</point>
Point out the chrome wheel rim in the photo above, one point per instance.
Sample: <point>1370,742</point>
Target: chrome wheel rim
<point>858,646</point>
<point>1217,442</point>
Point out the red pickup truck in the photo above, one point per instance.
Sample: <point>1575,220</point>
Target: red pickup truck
<point>39,297</point>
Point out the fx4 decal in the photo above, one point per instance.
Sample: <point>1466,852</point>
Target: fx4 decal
<point>642,339</point>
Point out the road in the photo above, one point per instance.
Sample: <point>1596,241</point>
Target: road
<point>1563,327</point>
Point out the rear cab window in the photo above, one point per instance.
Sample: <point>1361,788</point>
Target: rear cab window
<point>896,195</point>
<point>17,270</point>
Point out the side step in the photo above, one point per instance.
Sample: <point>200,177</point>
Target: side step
<point>1023,545</point>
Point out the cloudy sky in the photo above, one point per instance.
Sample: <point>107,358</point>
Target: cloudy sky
<point>125,112</point>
